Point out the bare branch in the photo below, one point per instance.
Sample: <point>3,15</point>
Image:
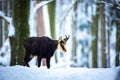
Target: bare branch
<point>67,12</point>
<point>7,19</point>
<point>41,4</point>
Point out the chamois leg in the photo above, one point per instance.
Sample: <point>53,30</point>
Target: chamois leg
<point>39,61</point>
<point>27,58</point>
<point>48,62</point>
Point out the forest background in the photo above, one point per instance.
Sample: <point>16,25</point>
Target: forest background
<point>93,26</point>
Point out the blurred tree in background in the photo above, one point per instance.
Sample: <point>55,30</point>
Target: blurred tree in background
<point>51,13</point>
<point>6,7</point>
<point>103,33</point>
<point>74,28</point>
<point>117,21</point>
<point>20,14</point>
<point>94,30</point>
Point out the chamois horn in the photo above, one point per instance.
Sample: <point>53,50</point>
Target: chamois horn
<point>67,37</point>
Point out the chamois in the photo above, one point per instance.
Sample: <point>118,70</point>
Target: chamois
<point>42,47</point>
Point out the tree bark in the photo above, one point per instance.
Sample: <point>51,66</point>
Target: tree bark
<point>95,41</point>
<point>41,30</point>
<point>20,21</point>
<point>74,29</point>
<point>5,23</point>
<point>13,44</point>
<point>103,34</point>
<point>51,12</point>
<point>117,60</point>
<point>0,28</point>
<point>0,32</point>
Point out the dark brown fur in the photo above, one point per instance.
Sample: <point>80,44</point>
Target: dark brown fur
<point>42,47</point>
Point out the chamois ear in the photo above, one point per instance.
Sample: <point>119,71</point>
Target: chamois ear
<point>60,38</point>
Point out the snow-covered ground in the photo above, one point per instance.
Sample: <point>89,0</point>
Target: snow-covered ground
<point>65,73</point>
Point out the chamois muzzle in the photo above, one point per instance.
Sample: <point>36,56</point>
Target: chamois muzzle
<point>67,37</point>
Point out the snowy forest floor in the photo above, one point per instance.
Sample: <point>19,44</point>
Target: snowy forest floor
<point>65,73</point>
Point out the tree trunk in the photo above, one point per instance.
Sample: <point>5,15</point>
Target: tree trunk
<point>0,32</point>
<point>40,23</point>
<point>20,21</point>
<point>13,44</point>
<point>109,23</point>
<point>117,60</point>
<point>40,26</point>
<point>103,34</point>
<point>74,29</point>
<point>108,42</point>
<point>6,23</point>
<point>0,28</point>
<point>51,12</point>
<point>95,41</point>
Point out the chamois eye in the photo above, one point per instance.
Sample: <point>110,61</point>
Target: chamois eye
<point>62,42</point>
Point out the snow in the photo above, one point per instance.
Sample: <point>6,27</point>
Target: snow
<point>40,5</point>
<point>64,73</point>
<point>118,2</point>
<point>5,53</point>
<point>11,29</point>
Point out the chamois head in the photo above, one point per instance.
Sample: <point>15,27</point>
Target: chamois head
<point>62,43</point>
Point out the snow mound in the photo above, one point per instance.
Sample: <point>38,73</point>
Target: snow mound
<point>5,53</point>
<point>33,73</point>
